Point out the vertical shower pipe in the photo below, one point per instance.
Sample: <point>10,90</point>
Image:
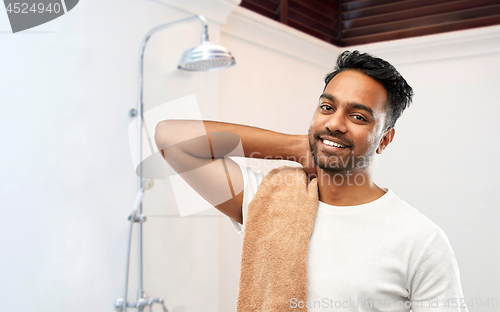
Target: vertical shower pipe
<point>140,123</point>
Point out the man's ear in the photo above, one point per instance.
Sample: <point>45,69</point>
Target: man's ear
<point>386,139</point>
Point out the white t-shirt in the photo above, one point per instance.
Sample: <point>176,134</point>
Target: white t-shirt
<point>380,256</point>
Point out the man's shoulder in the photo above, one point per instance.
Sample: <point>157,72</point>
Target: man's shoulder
<point>412,219</point>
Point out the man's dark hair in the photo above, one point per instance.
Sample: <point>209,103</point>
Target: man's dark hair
<point>399,92</point>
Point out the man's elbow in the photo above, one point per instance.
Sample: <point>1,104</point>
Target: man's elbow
<point>161,135</point>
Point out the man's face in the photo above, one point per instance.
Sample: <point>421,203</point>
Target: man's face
<point>350,116</point>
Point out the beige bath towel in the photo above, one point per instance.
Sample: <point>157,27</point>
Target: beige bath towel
<point>278,226</point>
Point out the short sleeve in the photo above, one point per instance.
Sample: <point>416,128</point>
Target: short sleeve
<point>434,283</point>
<point>251,181</point>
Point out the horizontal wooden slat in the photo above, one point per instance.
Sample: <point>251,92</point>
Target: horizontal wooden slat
<point>390,8</point>
<point>419,12</point>
<point>271,5</point>
<point>322,24</point>
<point>267,8</point>
<point>313,32</point>
<point>360,4</point>
<point>423,21</point>
<point>421,31</point>
<point>313,9</point>
<point>325,2</point>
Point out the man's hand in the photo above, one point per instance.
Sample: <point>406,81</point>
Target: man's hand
<point>305,158</point>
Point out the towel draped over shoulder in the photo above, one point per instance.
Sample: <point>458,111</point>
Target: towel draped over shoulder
<point>278,225</point>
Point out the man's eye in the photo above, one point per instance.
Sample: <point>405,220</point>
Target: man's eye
<point>360,118</point>
<point>325,107</point>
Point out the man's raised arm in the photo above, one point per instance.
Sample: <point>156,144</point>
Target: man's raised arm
<point>196,150</point>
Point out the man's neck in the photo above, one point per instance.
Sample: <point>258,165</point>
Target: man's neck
<point>347,189</point>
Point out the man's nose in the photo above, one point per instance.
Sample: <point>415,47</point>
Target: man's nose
<point>337,122</point>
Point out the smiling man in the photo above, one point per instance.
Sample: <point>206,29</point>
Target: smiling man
<point>350,125</point>
<point>369,250</point>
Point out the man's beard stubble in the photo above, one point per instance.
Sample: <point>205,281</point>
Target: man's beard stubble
<point>340,164</point>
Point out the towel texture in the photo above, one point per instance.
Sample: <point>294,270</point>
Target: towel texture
<point>278,225</point>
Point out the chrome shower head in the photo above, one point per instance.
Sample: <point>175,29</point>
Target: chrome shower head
<point>205,57</point>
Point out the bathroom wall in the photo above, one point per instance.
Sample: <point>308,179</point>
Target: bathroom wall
<point>67,181</point>
<point>443,157</point>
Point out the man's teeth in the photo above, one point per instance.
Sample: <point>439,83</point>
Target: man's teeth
<point>327,142</point>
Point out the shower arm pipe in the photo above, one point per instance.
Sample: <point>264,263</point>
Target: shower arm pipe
<point>140,123</point>
<point>140,103</point>
<point>140,106</point>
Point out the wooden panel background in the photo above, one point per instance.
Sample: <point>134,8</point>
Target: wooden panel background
<point>351,22</point>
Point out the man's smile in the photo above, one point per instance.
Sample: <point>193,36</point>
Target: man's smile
<point>331,142</point>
